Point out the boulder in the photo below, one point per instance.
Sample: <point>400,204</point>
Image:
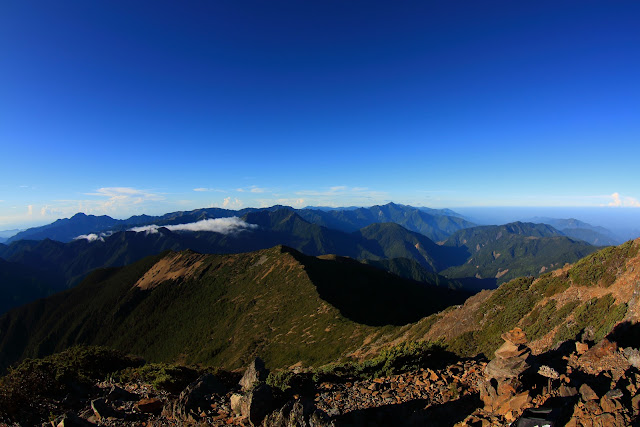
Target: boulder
<point>70,419</point>
<point>581,348</point>
<point>633,356</point>
<point>255,373</point>
<point>587,393</point>
<point>118,393</point>
<point>150,406</point>
<point>516,336</point>
<point>506,368</point>
<point>297,413</point>
<point>195,396</point>
<point>255,404</point>
<point>103,410</point>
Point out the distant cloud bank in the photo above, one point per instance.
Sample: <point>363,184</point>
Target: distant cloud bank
<point>627,201</point>
<point>230,225</point>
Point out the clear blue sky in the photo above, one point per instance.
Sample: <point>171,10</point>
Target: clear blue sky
<point>124,107</point>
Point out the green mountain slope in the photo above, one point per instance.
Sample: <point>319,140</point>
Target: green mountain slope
<point>584,300</point>
<point>501,253</point>
<point>224,309</point>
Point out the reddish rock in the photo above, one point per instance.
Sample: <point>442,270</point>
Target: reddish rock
<point>581,348</point>
<point>515,336</point>
<point>150,406</point>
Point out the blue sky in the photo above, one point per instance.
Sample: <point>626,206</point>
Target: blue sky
<point>121,107</point>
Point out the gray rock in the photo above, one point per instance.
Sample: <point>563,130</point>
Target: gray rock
<point>296,413</point>
<point>195,396</point>
<point>103,410</point>
<point>633,356</point>
<point>616,393</point>
<point>70,419</point>
<point>506,368</point>
<point>255,373</point>
<point>257,403</point>
<point>118,393</point>
<point>587,393</point>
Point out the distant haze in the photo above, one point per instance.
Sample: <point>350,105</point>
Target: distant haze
<point>625,222</point>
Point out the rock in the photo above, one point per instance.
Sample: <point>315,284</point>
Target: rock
<point>581,348</point>
<point>633,356</point>
<point>604,348</point>
<point>150,406</point>
<point>255,373</point>
<point>506,368</point>
<point>72,420</point>
<point>509,350</point>
<point>257,403</point>
<point>296,413</point>
<point>118,393</point>
<point>609,405</point>
<point>587,393</point>
<point>635,404</point>
<point>516,336</point>
<point>548,372</point>
<point>235,402</point>
<point>564,391</point>
<point>520,401</point>
<point>616,393</point>
<point>194,396</point>
<point>103,410</point>
<point>606,420</point>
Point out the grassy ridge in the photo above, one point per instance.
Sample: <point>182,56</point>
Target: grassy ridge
<point>276,303</point>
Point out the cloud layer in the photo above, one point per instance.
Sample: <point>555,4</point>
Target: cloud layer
<point>230,225</point>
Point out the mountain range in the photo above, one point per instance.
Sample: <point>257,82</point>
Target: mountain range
<point>571,227</point>
<point>494,263</point>
<point>293,308</point>
<point>433,223</point>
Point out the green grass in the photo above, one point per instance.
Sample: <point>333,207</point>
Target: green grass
<point>543,319</point>
<point>599,314</point>
<point>550,284</point>
<point>602,267</point>
<point>404,357</point>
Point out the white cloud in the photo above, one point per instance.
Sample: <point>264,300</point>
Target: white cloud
<point>30,210</point>
<point>218,225</point>
<point>228,203</point>
<point>90,237</point>
<point>252,189</point>
<point>202,189</point>
<point>616,200</point>
<point>342,190</point>
<point>119,195</point>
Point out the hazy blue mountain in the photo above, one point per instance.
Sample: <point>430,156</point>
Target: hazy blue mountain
<point>432,223</point>
<point>577,229</point>
<point>436,227</point>
<point>66,229</point>
<point>7,234</point>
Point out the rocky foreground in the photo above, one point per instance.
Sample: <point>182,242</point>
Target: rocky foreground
<point>575,385</point>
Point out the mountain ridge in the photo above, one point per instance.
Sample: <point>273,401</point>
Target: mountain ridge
<point>250,302</point>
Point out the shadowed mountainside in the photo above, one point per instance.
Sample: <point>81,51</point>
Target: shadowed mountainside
<point>224,309</point>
